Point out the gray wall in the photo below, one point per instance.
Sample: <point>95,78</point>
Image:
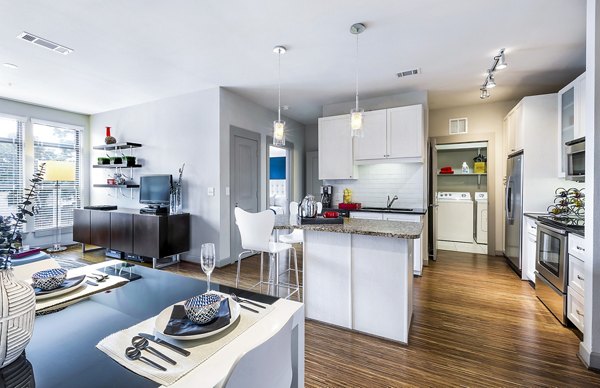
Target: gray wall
<point>173,131</point>
<point>29,111</point>
<point>311,138</point>
<point>242,113</point>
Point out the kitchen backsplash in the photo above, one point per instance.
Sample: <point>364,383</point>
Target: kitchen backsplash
<point>377,181</point>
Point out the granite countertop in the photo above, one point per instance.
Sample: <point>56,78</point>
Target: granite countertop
<point>416,211</point>
<point>378,228</point>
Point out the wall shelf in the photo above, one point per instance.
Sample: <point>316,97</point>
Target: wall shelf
<point>126,186</point>
<point>117,146</point>
<point>116,165</point>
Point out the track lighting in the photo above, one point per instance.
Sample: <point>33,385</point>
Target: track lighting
<point>489,83</point>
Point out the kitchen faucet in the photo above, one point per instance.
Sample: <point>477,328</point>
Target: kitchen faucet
<point>389,203</point>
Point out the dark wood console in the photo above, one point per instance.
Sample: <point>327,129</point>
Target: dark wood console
<point>126,230</point>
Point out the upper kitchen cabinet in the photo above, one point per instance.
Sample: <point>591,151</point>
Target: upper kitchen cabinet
<point>373,145</point>
<point>395,134</point>
<point>571,117</point>
<point>514,130</point>
<point>336,158</point>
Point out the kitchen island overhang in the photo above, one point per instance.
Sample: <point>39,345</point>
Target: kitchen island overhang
<point>359,275</point>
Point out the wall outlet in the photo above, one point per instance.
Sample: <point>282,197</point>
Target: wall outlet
<point>211,192</point>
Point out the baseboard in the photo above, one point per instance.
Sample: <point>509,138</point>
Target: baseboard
<point>591,360</point>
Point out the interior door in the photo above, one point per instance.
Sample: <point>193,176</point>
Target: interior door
<point>433,205</point>
<point>244,181</point>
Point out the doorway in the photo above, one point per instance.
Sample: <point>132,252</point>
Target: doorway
<point>279,176</point>
<point>460,195</point>
<point>245,176</point>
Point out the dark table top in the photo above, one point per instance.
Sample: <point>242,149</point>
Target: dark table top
<point>63,349</point>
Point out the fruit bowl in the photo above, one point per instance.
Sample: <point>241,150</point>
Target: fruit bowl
<point>49,279</point>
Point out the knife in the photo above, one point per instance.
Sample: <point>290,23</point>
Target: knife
<point>164,343</point>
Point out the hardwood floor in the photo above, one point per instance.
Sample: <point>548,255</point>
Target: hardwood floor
<point>475,324</point>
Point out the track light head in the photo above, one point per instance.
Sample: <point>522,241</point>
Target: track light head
<point>490,83</point>
<point>501,61</point>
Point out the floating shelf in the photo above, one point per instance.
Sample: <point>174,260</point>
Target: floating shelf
<point>132,186</point>
<point>117,146</point>
<point>469,174</point>
<point>116,165</point>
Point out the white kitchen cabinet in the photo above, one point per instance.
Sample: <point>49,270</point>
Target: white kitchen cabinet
<point>529,252</point>
<point>571,117</point>
<point>575,305</point>
<point>405,134</point>
<point>514,129</point>
<point>373,145</point>
<point>576,288</point>
<point>336,157</point>
<point>420,247</point>
<point>392,134</point>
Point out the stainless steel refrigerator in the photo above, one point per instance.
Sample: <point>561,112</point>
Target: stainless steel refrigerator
<point>513,209</point>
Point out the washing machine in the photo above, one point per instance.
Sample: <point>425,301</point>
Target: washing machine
<point>481,214</point>
<point>455,217</point>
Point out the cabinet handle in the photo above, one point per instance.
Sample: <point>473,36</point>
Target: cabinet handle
<point>579,312</point>
<point>580,248</point>
<point>580,277</point>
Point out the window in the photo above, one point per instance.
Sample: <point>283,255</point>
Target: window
<point>11,164</point>
<point>59,143</point>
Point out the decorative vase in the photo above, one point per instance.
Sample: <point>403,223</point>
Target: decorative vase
<point>175,201</point>
<point>17,314</point>
<point>109,139</point>
<point>18,374</point>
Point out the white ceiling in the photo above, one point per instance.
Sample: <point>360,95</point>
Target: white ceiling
<point>134,51</point>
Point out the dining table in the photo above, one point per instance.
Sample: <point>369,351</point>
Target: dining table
<point>63,353</point>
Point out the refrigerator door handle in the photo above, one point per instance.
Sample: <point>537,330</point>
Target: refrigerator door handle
<point>508,201</point>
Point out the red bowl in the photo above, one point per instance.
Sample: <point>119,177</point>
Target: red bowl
<point>331,214</point>
<point>110,181</point>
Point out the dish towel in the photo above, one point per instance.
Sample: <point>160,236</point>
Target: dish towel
<point>115,344</point>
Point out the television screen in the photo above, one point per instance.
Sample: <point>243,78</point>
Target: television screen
<point>155,189</point>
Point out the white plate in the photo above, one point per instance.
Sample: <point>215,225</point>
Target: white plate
<point>163,319</point>
<point>61,292</point>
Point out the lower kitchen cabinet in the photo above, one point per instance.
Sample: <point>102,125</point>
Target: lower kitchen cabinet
<point>576,289</point>
<point>575,308</point>
<point>529,249</point>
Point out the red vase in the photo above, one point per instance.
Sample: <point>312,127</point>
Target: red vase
<point>109,139</point>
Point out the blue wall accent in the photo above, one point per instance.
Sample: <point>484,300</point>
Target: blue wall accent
<point>277,167</point>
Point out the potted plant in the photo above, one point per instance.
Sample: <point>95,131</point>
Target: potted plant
<point>103,160</point>
<point>116,160</point>
<point>17,310</point>
<point>129,160</point>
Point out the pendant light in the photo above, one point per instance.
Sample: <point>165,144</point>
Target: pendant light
<point>356,114</point>
<point>279,125</point>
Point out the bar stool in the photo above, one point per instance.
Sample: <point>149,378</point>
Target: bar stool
<point>255,231</point>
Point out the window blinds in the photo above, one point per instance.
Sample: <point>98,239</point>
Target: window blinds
<point>53,142</point>
<point>11,164</point>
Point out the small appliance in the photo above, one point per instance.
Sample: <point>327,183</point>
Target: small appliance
<point>308,207</point>
<point>327,196</point>
<point>576,160</point>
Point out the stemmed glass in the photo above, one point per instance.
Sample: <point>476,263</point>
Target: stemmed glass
<point>207,260</point>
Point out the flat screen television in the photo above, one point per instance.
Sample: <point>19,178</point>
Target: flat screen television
<point>155,190</point>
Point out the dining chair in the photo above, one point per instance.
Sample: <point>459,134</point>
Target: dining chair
<point>255,232</point>
<point>269,364</point>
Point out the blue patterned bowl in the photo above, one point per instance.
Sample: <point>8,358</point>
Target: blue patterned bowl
<point>203,308</point>
<point>49,279</point>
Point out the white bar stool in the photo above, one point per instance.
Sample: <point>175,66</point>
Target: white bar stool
<point>255,231</point>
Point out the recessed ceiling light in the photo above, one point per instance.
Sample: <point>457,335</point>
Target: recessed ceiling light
<point>10,65</point>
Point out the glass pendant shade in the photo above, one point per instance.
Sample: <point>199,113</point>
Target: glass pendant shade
<point>356,122</point>
<point>279,133</point>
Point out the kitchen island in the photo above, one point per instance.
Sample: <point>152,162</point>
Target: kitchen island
<point>359,275</point>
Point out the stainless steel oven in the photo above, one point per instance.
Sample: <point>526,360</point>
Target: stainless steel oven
<point>576,160</point>
<point>551,269</point>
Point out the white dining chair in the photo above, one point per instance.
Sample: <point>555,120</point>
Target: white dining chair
<point>297,235</point>
<point>269,364</point>
<point>255,232</point>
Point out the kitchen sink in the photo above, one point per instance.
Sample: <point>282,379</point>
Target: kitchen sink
<point>386,210</point>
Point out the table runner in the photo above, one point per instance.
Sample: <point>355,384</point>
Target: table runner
<point>115,344</point>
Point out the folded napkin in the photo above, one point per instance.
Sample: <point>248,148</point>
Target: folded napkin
<point>115,344</point>
<point>181,325</point>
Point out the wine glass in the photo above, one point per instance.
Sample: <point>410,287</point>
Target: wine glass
<point>207,260</point>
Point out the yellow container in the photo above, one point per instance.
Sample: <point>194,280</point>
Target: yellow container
<point>479,168</point>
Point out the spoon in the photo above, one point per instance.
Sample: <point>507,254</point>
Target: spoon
<point>134,354</point>
<point>240,300</point>
<point>141,343</point>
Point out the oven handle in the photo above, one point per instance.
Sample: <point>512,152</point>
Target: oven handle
<point>559,231</point>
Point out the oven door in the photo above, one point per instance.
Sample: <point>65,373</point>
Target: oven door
<point>551,260</point>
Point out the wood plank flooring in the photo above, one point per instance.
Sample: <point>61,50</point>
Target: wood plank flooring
<point>475,324</point>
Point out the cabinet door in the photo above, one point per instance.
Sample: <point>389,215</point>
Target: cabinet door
<point>81,226</point>
<point>405,132</point>
<point>566,117</point>
<point>149,235</point>
<point>366,215</point>
<point>580,107</point>
<point>518,130</point>
<point>336,159</point>
<point>374,143</point>
<point>100,228</point>
<point>121,232</point>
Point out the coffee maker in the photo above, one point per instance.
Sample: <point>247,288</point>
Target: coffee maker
<point>327,196</point>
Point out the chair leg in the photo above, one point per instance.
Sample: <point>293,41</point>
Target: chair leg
<point>297,277</point>
<point>261,271</point>
<point>277,276</point>
<point>237,278</point>
<point>271,275</point>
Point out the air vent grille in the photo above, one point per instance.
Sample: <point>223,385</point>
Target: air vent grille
<point>458,126</point>
<point>26,36</point>
<point>407,73</point>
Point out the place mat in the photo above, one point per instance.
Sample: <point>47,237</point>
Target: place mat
<point>181,325</point>
<point>115,344</point>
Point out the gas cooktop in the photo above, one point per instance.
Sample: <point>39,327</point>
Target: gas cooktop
<point>573,222</point>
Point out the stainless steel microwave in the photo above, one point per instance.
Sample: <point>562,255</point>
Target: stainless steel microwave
<point>576,160</point>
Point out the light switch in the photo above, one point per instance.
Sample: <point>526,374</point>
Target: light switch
<point>227,191</point>
<point>211,191</point>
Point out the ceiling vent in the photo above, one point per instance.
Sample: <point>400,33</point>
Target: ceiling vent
<point>407,73</point>
<point>26,36</point>
<point>458,126</point>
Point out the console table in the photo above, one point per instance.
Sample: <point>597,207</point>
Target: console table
<point>126,230</point>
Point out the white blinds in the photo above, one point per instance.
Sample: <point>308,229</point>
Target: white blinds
<point>11,164</point>
<point>53,142</point>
